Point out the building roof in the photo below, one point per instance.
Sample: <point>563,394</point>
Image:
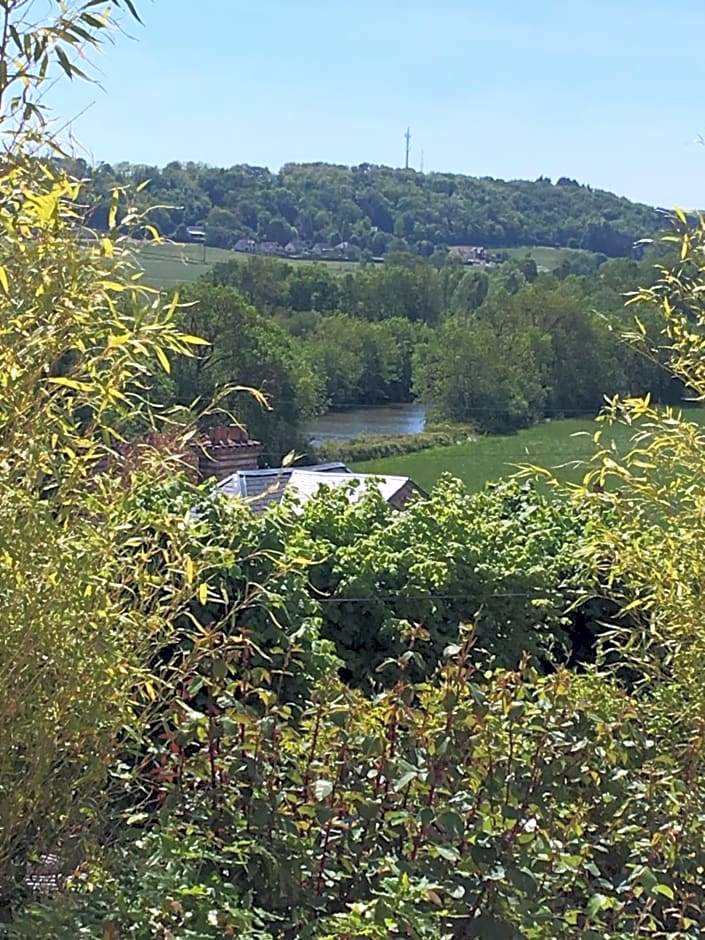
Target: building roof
<point>305,483</point>
<point>263,488</point>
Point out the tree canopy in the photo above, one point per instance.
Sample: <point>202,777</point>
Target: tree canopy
<point>376,209</point>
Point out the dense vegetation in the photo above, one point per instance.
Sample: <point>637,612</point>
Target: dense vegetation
<point>482,717</point>
<point>498,350</point>
<point>375,209</point>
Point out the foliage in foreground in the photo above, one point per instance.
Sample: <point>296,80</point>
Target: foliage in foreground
<point>78,338</point>
<point>653,559</point>
<point>502,559</point>
<point>505,805</point>
<point>473,803</point>
<point>160,696</point>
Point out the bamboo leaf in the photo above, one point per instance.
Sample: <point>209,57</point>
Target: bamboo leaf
<point>163,360</point>
<point>74,384</point>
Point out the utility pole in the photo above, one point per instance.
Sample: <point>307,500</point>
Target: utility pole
<point>408,142</point>
<point>422,161</point>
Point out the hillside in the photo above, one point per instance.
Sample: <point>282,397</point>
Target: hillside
<point>373,210</point>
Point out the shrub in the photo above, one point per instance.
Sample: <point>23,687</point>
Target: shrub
<point>376,446</point>
<point>501,559</point>
<point>508,805</point>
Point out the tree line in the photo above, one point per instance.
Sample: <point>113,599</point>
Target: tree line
<point>372,209</point>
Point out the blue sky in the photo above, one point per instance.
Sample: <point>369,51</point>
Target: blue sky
<point>605,92</point>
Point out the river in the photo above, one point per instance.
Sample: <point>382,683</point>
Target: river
<point>378,419</point>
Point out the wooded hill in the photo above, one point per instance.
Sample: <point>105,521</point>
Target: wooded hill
<point>375,209</point>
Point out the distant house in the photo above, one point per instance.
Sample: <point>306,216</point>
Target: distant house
<point>223,452</point>
<point>344,249</point>
<point>294,248</point>
<point>196,233</point>
<point>469,254</point>
<point>396,490</point>
<point>264,488</point>
<point>269,248</point>
<point>321,249</point>
<point>245,244</point>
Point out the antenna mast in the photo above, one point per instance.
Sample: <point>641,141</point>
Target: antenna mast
<point>408,142</point>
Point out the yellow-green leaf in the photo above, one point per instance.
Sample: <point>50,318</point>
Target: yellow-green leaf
<point>194,340</point>
<point>161,356</point>
<point>70,383</point>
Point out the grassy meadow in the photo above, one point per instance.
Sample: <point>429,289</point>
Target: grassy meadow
<point>546,257</point>
<point>168,264</point>
<point>563,446</point>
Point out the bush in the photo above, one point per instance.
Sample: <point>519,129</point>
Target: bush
<point>376,446</point>
<point>508,805</point>
<point>501,559</point>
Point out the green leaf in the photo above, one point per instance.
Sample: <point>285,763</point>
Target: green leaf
<point>405,780</point>
<point>131,7</point>
<point>447,852</point>
<point>322,789</point>
<point>453,823</point>
<point>488,927</point>
<point>595,904</point>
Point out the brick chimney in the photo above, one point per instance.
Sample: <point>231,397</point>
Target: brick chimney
<point>227,450</point>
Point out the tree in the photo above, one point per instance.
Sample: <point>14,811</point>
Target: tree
<point>470,292</point>
<point>246,349</point>
<point>469,372</point>
<point>313,287</point>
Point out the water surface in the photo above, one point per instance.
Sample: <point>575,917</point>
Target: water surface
<point>378,419</point>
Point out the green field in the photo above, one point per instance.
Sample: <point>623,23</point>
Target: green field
<point>563,446</point>
<point>168,264</point>
<point>546,258</point>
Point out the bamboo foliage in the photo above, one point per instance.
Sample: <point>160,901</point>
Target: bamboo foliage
<point>78,336</point>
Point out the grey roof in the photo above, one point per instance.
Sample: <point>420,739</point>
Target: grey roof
<point>306,483</point>
<point>263,488</point>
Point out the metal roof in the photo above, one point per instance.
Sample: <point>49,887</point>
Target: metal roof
<point>263,488</point>
<point>306,483</point>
